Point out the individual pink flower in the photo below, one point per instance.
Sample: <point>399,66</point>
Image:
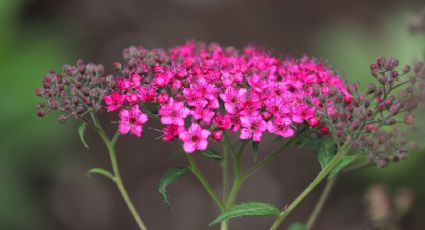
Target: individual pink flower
<point>302,112</point>
<point>171,132</point>
<point>232,97</point>
<point>253,127</point>
<point>194,138</point>
<point>114,101</point>
<point>203,114</point>
<point>123,84</point>
<point>173,113</point>
<point>314,122</point>
<point>281,126</point>
<point>147,93</point>
<point>132,121</point>
<point>222,122</point>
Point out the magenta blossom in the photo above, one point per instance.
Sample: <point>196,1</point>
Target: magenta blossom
<point>253,127</point>
<point>281,126</point>
<point>114,101</point>
<point>132,121</point>
<point>195,138</point>
<point>173,113</point>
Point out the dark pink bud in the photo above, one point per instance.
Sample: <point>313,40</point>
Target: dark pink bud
<point>324,130</point>
<point>347,98</point>
<point>217,135</point>
<point>41,113</point>
<point>163,98</point>
<point>314,122</point>
<point>117,65</point>
<point>266,115</point>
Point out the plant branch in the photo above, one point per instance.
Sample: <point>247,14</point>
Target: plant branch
<point>197,172</point>
<point>261,164</point>
<point>320,203</point>
<point>116,172</point>
<point>321,176</point>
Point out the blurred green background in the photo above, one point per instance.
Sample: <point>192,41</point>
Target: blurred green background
<point>42,164</point>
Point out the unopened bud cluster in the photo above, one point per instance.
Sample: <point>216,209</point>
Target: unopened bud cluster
<point>368,119</point>
<point>80,89</point>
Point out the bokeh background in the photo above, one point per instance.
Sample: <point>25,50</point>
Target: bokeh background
<point>43,184</point>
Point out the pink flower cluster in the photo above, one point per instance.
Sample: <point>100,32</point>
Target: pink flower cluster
<point>202,90</point>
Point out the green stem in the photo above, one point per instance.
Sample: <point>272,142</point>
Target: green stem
<point>197,172</point>
<point>320,203</point>
<point>225,166</point>
<point>237,180</point>
<point>322,175</point>
<point>116,172</point>
<point>261,164</point>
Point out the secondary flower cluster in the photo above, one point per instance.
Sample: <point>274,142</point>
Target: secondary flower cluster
<point>79,90</point>
<point>201,90</point>
<point>368,119</point>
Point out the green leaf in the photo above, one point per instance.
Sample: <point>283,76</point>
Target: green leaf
<point>309,142</point>
<point>169,177</point>
<point>296,226</point>
<point>347,160</point>
<point>211,153</point>
<point>246,209</point>
<point>255,151</point>
<point>326,152</point>
<point>81,131</point>
<point>102,172</point>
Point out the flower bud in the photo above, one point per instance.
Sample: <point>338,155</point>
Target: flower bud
<point>62,119</point>
<point>217,135</point>
<point>324,130</point>
<point>409,119</point>
<point>39,92</point>
<point>266,115</point>
<point>162,98</point>
<point>314,122</point>
<point>418,67</point>
<point>406,68</point>
<point>41,113</point>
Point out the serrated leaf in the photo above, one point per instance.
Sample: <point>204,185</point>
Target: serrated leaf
<point>81,131</point>
<point>102,172</point>
<point>255,151</point>
<point>247,209</point>
<point>347,160</point>
<point>296,226</point>
<point>169,177</point>
<point>211,153</point>
<point>326,152</point>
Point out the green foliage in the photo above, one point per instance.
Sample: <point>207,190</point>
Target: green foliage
<point>102,172</point>
<point>347,160</point>
<point>81,131</point>
<point>211,154</point>
<point>297,226</point>
<point>169,177</point>
<point>309,142</point>
<point>247,209</point>
<point>326,152</point>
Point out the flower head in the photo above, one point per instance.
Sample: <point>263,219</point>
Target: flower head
<point>194,138</point>
<point>132,121</point>
<point>174,112</point>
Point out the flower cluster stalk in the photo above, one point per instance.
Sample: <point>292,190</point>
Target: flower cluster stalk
<point>110,145</point>
<point>323,174</point>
